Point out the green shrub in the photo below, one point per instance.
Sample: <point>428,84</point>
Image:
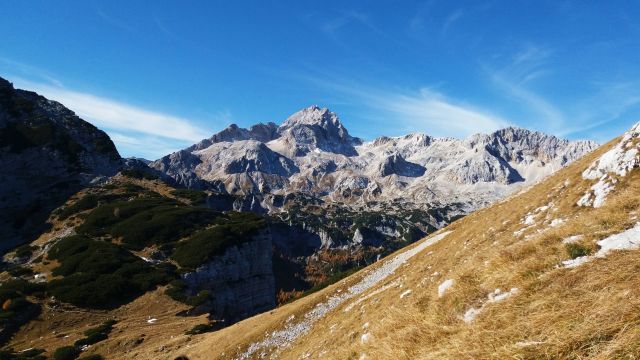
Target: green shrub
<point>85,203</point>
<point>200,329</point>
<point>13,293</point>
<point>21,286</point>
<point>576,250</point>
<point>25,251</point>
<point>104,145</point>
<point>177,290</point>
<point>106,328</point>
<point>194,196</point>
<point>132,188</point>
<point>66,353</point>
<point>19,137</point>
<point>17,312</point>
<point>30,354</point>
<point>92,339</point>
<point>198,299</point>
<point>97,333</point>
<point>146,221</point>
<point>203,245</point>
<point>98,274</point>
<point>91,201</point>
<point>18,270</point>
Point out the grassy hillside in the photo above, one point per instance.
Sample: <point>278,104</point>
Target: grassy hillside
<point>111,247</point>
<point>503,282</point>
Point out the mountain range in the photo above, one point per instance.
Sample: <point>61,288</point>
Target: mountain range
<point>311,152</point>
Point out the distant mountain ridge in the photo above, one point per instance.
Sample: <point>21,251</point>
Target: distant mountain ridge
<point>313,153</point>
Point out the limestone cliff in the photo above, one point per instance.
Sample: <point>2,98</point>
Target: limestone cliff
<point>240,282</point>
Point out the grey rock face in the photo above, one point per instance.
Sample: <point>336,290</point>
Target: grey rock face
<point>179,169</point>
<point>248,156</point>
<point>516,144</point>
<point>396,164</point>
<point>46,154</point>
<point>240,281</point>
<point>485,168</point>
<point>315,128</point>
<point>258,132</point>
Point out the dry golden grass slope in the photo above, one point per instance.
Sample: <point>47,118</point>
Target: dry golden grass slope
<point>510,296</point>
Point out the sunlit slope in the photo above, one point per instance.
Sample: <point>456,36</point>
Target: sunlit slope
<point>534,276</point>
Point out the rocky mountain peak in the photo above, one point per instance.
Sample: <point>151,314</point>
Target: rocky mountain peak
<point>259,132</point>
<point>312,115</point>
<point>316,128</point>
<point>5,84</point>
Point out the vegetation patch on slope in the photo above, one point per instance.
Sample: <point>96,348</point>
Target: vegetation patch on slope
<point>232,229</point>
<point>96,334</point>
<point>196,197</point>
<point>143,222</point>
<point>30,354</point>
<point>99,274</point>
<point>16,309</point>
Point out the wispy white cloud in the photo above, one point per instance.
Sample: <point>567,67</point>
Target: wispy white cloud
<point>112,114</point>
<point>113,21</point>
<point>438,115</point>
<point>417,20</point>
<point>546,111</point>
<point>126,123</point>
<point>450,20</point>
<point>148,147</point>
<point>334,28</point>
<point>170,35</point>
<point>423,110</point>
<point>523,68</point>
<point>22,68</point>
<point>593,106</point>
<point>605,106</point>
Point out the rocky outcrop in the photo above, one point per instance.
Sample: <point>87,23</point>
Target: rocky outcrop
<point>520,145</point>
<point>179,168</point>
<point>46,154</point>
<point>240,282</point>
<point>245,157</point>
<point>258,132</point>
<point>312,129</point>
<point>396,164</point>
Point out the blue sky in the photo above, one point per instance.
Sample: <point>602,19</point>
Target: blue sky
<point>158,76</point>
